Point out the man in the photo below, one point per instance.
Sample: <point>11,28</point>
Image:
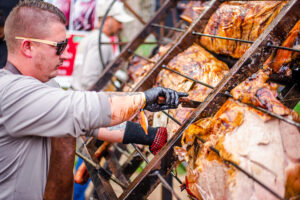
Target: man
<point>31,111</point>
<point>3,50</point>
<point>88,66</point>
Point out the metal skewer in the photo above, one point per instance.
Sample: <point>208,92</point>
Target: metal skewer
<point>98,167</point>
<point>225,38</point>
<point>165,184</point>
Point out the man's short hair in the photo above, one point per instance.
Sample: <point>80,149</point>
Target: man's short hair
<point>30,18</point>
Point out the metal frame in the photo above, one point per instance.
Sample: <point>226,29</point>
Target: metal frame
<point>163,163</point>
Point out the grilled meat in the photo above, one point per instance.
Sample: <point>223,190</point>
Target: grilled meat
<point>280,61</point>
<point>268,150</point>
<point>241,20</point>
<point>193,9</point>
<point>198,64</point>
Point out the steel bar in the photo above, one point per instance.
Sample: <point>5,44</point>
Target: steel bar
<point>122,151</point>
<point>225,38</point>
<point>165,184</point>
<point>242,170</point>
<point>125,43</point>
<point>172,118</point>
<point>140,56</point>
<point>87,160</point>
<point>187,77</point>
<point>133,12</point>
<point>137,16</point>
<point>141,154</point>
<point>98,167</point>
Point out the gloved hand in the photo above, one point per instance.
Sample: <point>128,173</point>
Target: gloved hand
<point>171,96</point>
<point>156,138</point>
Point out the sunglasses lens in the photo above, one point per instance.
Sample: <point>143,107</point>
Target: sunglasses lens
<point>61,47</point>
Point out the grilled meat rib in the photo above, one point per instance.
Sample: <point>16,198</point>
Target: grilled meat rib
<point>241,20</point>
<point>198,64</point>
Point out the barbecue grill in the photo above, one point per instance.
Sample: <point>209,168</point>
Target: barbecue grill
<point>165,161</point>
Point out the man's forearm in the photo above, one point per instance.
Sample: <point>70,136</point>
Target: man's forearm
<point>125,105</point>
<point>112,134</point>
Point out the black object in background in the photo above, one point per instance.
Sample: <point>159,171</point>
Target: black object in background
<point>7,6</point>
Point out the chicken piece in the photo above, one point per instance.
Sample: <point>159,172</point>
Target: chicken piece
<point>280,61</point>
<point>241,20</point>
<point>268,150</point>
<point>198,64</point>
<point>256,91</point>
<point>193,9</point>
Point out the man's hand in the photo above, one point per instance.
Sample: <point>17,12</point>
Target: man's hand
<point>171,96</point>
<point>156,138</point>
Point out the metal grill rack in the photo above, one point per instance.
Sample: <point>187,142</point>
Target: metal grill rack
<point>165,161</point>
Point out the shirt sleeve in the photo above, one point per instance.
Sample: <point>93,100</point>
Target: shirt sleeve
<point>30,107</point>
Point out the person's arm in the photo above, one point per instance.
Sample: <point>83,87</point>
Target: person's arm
<point>124,105</point>
<point>131,132</point>
<point>29,107</point>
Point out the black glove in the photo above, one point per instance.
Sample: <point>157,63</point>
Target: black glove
<point>156,138</point>
<point>171,96</point>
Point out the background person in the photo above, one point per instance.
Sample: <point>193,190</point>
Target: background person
<point>87,66</point>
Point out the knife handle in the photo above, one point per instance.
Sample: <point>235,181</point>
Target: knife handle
<point>162,100</point>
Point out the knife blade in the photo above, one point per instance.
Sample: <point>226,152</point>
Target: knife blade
<point>184,101</point>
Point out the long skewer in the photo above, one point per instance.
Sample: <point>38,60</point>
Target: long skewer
<point>98,167</point>
<point>225,38</point>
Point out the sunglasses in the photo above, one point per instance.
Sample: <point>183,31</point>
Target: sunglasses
<point>61,46</point>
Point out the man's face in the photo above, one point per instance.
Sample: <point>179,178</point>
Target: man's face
<point>46,62</point>
<point>115,26</point>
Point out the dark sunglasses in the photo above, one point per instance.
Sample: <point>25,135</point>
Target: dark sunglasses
<point>61,46</point>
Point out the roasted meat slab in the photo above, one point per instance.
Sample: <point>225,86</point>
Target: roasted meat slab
<point>268,150</point>
<point>198,64</point>
<point>241,20</point>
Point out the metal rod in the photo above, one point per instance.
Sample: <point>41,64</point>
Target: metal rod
<point>172,118</point>
<point>165,184</point>
<point>141,154</point>
<point>124,152</point>
<point>133,12</point>
<point>187,77</point>
<point>147,161</point>
<point>87,160</point>
<point>98,167</point>
<point>242,170</point>
<point>140,56</point>
<point>265,111</point>
<point>225,38</point>
<point>124,43</point>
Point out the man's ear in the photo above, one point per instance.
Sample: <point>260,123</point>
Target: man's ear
<point>26,48</point>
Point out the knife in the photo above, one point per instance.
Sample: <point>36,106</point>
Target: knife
<point>184,101</point>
